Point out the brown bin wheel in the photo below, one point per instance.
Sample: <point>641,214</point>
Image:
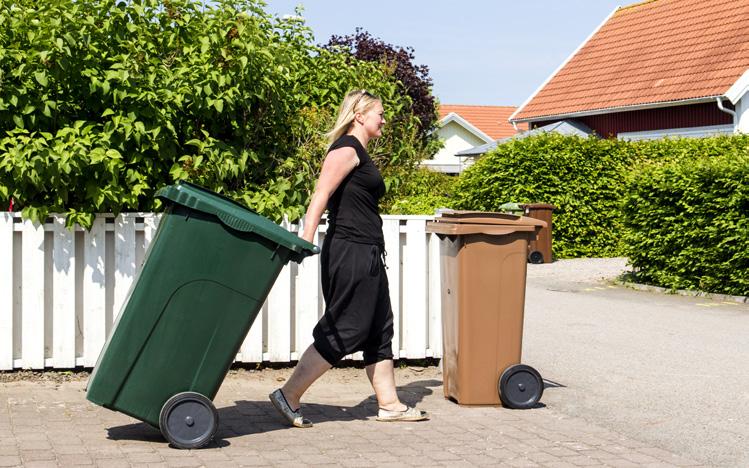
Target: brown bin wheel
<point>520,387</point>
<point>536,257</point>
<point>188,420</point>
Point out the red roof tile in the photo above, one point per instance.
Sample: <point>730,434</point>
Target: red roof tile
<point>651,52</point>
<point>491,120</point>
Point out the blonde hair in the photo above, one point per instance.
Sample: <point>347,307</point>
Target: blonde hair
<point>358,101</point>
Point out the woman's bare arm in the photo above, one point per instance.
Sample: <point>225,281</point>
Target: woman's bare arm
<point>337,165</point>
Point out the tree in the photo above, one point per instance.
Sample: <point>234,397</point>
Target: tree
<point>414,79</point>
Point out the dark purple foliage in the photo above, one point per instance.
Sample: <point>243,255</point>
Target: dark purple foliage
<point>414,79</point>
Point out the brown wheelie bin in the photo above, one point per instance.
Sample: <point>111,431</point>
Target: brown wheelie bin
<point>483,266</point>
<point>540,249</point>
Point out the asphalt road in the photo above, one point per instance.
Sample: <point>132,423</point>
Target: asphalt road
<point>668,370</point>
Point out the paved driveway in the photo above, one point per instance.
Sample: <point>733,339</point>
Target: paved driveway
<point>669,370</point>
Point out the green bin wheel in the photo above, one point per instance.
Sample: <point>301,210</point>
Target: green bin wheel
<point>520,387</point>
<point>536,257</point>
<point>188,420</point>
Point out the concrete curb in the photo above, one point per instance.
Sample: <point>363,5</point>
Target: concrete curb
<point>683,292</point>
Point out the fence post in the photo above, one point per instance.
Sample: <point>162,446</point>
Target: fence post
<point>32,295</point>
<point>63,295</point>
<point>94,292</point>
<point>6,291</point>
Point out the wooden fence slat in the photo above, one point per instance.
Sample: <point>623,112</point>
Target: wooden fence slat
<point>124,259</point>
<point>150,225</point>
<point>94,292</point>
<point>307,301</point>
<point>32,296</point>
<point>391,232</point>
<point>279,314</point>
<point>435,297</point>
<point>252,347</point>
<point>63,295</point>
<point>279,318</point>
<point>6,291</point>
<point>415,290</point>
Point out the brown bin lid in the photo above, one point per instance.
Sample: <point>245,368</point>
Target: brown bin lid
<point>482,222</point>
<point>453,229</point>
<point>488,217</point>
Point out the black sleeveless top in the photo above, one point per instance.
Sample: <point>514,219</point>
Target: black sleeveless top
<point>353,212</point>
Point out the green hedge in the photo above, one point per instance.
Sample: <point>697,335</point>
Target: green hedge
<point>679,209</point>
<point>423,192</point>
<point>582,177</point>
<point>687,218</point>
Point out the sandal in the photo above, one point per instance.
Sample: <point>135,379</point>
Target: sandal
<point>409,414</point>
<point>294,418</point>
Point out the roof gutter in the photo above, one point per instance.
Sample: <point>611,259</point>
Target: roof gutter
<point>609,110</point>
<point>719,100</point>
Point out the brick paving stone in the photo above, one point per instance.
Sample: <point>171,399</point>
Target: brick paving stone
<point>621,463</point>
<point>144,457</point>
<point>582,460</point>
<point>640,458</point>
<point>480,459</point>
<point>67,449</point>
<point>541,457</point>
<point>113,463</point>
<point>10,460</point>
<point>41,464</point>
<point>34,455</point>
<point>183,462</point>
<point>75,459</point>
<point>521,462</point>
<point>251,461</point>
<point>559,464</point>
<point>34,445</point>
<point>560,451</point>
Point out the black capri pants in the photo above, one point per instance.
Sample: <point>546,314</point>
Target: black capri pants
<point>358,316</point>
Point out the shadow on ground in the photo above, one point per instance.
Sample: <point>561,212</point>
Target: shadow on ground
<point>254,417</point>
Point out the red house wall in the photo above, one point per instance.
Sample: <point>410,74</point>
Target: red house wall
<point>694,115</point>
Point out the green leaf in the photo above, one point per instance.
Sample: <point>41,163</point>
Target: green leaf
<point>41,78</point>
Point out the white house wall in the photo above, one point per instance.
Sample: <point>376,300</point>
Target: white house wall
<point>456,138</point>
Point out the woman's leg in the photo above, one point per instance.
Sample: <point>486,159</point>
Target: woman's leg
<point>382,377</point>
<point>309,368</point>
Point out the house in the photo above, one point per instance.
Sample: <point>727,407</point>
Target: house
<point>464,127</point>
<point>653,69</point>
<point>563,127</point>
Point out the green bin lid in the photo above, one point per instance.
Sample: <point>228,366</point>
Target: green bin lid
<point>233,215</point>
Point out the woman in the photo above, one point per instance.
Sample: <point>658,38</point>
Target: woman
<point>358,316</point>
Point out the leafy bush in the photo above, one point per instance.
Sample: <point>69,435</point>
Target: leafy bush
<point>422,193</point>
<point>102,102</point>
<point>582,177</point>
<point>687,218</point>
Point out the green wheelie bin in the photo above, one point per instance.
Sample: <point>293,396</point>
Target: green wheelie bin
<point>205,276</point>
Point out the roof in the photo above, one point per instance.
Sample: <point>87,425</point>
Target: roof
<point>491,120</point>
<point>651,52</point>
<point>563,127</point>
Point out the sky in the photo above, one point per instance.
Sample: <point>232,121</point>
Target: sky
<point>490,52</point>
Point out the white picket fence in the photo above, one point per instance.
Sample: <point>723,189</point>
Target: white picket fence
<point>61,290</point>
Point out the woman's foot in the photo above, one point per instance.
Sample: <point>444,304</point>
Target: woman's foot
<point>408,414</point>
<point>294,417</point>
